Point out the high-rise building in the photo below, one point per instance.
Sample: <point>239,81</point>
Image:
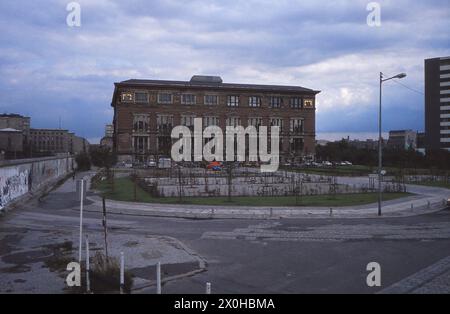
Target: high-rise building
<point>145,111</point>
<point>437,103</point>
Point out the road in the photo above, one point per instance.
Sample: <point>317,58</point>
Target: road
<point>327,255</point>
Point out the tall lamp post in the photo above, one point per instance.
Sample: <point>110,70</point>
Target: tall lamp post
<point>380,139</point>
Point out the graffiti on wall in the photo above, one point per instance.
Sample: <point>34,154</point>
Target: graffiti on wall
<point>17,180</point>
<point>13,183</point>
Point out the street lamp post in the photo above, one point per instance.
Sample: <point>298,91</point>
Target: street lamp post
<point>380,139</point>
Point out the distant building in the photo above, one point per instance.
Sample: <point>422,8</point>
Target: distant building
<point>109,130</point>
<point>11,142</point>
<point>78,144</point>
<point>15,121</point>
<point>402,139</point>
<point>57,141</point>
<point>18,123</point>
<point>107,140</point>
<point>421,142</point>
<point>437,103</point>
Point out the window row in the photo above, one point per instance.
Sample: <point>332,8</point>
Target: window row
<point>232,100</point>
<point>165,123</point>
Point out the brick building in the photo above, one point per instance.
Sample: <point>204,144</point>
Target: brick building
<point>145,111</point>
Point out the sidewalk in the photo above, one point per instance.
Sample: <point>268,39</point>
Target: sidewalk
<point>435,279</point>
<point>427,200</point>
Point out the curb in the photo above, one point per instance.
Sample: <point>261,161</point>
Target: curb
<point>271,213</point>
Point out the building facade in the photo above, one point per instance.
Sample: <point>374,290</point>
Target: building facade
<point>11,143</point>
<point>15,122</point>
<point>145,112</point>
<point>109,130</point>
<point>437,103</point>
<point>402,139</point>
<point>57,141</point>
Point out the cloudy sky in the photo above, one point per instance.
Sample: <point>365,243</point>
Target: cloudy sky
<point>49,70</point>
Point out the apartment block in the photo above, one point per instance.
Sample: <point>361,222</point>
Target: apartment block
<point>437,103</point>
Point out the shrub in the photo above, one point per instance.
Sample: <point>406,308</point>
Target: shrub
<point>105,275</point>
<point>83,162</point>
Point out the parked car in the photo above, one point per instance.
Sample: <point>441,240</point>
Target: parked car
<point>164,163</point>
<point>215,165</point>
<point>151,164</point>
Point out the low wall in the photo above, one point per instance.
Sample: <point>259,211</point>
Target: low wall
<point>18,177</point>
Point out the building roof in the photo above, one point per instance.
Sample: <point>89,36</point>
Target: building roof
<point>48,130</point>
<point>12,115</point>
<point>9,130</point>
<point>214,83</point>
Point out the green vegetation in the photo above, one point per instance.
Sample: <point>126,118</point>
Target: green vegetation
<point>434,160</point>
<point>124,191</point>
<point>351,171</point>
<point>83,162</point>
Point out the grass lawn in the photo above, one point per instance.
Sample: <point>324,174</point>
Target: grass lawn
<point>124,191</point>
<point>337,171</point>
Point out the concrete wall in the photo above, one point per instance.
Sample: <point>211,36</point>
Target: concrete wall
<point>18,177</point>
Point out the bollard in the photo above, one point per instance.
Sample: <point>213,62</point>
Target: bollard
<point>88,281</point>
<point>271,212</point>
<point>331,212</point>
<point>428,204</point>
<point>122,273</point>
<point>412,206</point>
<point>208,288</point>
<point>158,278</point>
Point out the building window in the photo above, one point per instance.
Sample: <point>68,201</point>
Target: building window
<point>140,144</point>
<point>127,97</point>
<point>275,102</point>
<point>141,123</point>
<point>165,98</point>
<point>188,99</point>
<point>233,101</point>
<point>254,101</point>
<point>210,121</point>
<point>296,126</point>
<point>211,100</point>
<point>187,120</point>
<point>277,122</point>
<point>308,103</point>
<point>164,123</point>
<point>256,122</point>
<point>141,97</point>
<point>296,102</point>
<point>233,121</point>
